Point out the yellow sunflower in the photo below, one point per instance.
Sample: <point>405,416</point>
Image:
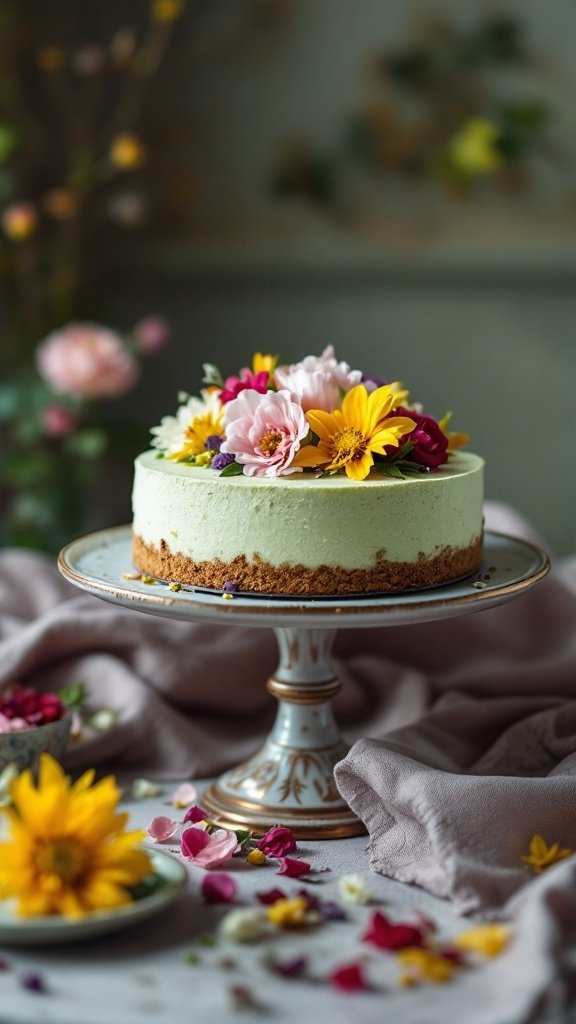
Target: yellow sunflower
<point>350,436</point>
<point>67,851</point>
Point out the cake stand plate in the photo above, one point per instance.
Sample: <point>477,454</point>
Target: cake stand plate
<point>290,781</point>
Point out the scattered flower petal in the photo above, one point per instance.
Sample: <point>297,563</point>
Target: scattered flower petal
<point>141,789</point>
<point>207,850</point>
<point>486,939</point>
<point>384,934</point>
<point>332,911</point>
<point>34,983</point>
<point>195,814</point>
<point>354,889</point>
<point>244,925</point>
<point>218,887</point>
<point>424,965</point>
<point>293,913</point>
<point>184,796</point>
<point>161,828</point>
<point>242,998</point>
<point>349,978</point>
<point>292,867</point>
<point>270,896</point>
<point>256,857</point>
<point>293,967</point>
<point>542,856</point>
<point>278,841</point>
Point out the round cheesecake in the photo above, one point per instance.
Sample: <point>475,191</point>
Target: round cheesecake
<point>301,535</point>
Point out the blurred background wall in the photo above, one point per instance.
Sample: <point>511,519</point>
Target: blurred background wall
<point>396,179</point>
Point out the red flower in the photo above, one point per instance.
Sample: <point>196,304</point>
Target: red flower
<point>384,934</point>
<point>292,867</point>
<point>430,442</point>
<point>277,842</point>
<point>349,978</point>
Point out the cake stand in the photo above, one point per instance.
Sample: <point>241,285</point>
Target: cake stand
<point>290,781</point>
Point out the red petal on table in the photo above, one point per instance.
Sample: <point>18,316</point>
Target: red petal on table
<point>349,978</point>
<point>218,887</point>
<point>292,867</point>
<point>270,896</point>
<point>385,934</point>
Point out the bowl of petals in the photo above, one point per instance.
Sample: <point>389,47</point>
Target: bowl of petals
<point>31,723</point>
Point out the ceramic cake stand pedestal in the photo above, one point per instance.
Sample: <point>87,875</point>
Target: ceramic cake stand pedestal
<point>290,781</point>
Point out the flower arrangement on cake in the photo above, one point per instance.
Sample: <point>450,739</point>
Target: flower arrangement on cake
<point>274,420</point>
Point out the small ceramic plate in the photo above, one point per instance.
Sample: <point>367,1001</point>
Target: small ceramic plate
<point>38,931</point>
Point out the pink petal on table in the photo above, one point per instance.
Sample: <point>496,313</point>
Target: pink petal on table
<point>270,896</point>
<point>160,829</point>
<point>207,850</point>
<point>195,813</point>
<point>218,887</point>
<point>183,796</point>
<point>292,867</point>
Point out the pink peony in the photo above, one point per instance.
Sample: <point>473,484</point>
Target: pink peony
<point>162,828</point>
<point>246,381</point>
<point>88,361</point>
<point>151,334</point>
<point>207,850</point>
<point>277,841</point>
<point>263,432</point>
<point>57,421</point>
<point>317,379</point>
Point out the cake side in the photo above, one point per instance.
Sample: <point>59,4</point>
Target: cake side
<point>301,535</point>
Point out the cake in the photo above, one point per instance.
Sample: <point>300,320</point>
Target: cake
<point>310,479</point>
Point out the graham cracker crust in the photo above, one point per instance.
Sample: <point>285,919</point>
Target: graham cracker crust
<point>261,577</point>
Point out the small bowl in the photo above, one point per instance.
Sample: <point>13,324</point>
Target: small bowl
<point>23,748</point>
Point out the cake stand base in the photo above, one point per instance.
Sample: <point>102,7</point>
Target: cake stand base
<point>290,781</point>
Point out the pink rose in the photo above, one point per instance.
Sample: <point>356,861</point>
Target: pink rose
<point>151,334</point>
<point>162,828</point>
<point>207,850</point>
<point>263,432</point>
<point>277,841</point>
<point>317,379</point>
<point>88,361</point>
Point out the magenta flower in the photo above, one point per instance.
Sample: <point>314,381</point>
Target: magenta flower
<point>207,850</point>
<point>292,867</point>
<point>317,380</point>
<point>430,442</point>
<point>161,828</point>
<point>278,841</point>
<point>264,432</point>
<point>88,361</point>
<point>247,381</point>
<point>218,887</point>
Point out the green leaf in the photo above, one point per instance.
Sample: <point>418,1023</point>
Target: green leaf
<point>390,469</point>
<point>403,451</point>
<point>243,837</point>
<point>234,469</point>
<point>147,886</point>
<point>74,696</point>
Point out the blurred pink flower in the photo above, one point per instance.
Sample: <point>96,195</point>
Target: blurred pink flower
<point>162,828</point>
<point>264,432</point>
<point>317,379</point>
<point>151,334</point>
<point>57,421</point>
<point>88,361</point>
<point>278,841</point>
<point>219,887</point>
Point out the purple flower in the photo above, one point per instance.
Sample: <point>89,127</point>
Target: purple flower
<point>33,983</point>
<point>373,381</point>
<point>221,460</point>
<point>213,443</point>
<point>430,442</point>
<point>230,587</point>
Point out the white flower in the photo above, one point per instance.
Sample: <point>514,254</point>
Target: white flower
<point>185,795</point>
<point>143,788</point>
<point>245,925</point>
<point>172,435</point>
<point>354,889</point>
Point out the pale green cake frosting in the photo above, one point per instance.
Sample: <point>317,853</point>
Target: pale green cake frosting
<point>299,519</point>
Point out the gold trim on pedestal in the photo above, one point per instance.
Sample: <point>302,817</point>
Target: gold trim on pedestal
<point>303,693</point>
<point>314,823</point>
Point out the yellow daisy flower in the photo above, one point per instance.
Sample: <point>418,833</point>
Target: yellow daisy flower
<point>455,440</point>
<point>67,851</point>
<point>351,435</point>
